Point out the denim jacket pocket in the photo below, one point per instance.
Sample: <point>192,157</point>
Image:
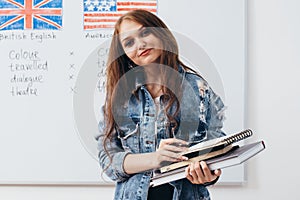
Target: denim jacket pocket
<point>129,136</point>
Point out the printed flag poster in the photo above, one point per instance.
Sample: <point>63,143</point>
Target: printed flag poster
<point>30,14</point>
<point>103,14</point>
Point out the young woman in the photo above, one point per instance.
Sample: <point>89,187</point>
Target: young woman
<point>155,106</point>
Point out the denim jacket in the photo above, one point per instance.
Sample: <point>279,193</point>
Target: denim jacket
<point>201,117</point>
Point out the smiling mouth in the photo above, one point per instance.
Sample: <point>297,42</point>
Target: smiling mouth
<point>145,52</point>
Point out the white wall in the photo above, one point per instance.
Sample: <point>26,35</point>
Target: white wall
<point>273,101</point>
<point>272,112</point>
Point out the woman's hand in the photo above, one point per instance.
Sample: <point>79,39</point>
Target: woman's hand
<point>169,151</point>
<point>199,173</point>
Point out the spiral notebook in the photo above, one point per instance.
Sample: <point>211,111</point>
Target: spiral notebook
<point>208,149</point>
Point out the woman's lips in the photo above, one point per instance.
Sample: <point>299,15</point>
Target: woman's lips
<point>145,52</point>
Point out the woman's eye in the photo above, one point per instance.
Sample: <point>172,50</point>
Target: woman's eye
<point>129,43</point>
<point>145,32</point>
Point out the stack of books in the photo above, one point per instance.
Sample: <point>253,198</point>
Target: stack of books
<point>217,153</point>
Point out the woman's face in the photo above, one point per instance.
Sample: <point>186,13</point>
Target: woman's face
<point>139,43</point>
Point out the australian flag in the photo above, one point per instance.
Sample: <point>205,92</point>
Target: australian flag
<point>30,14</point>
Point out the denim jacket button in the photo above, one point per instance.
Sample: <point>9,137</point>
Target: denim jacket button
<point>148,173</point>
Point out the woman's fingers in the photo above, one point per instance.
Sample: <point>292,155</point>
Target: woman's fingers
<point>171,155</point>
<point>171,147</point>
<point>174,142</point>
<point>169,152</point>
<point>199,173</point>
<point>196,174</point>
<point>218,172</point>
<point>188,174</point>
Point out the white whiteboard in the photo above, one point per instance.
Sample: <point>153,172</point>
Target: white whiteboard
<point>41,139</point>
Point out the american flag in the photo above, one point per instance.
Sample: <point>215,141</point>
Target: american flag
<point>104,13</point>
<point>30,14</point>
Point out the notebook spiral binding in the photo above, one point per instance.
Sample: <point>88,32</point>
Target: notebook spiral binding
<point>239,136</point>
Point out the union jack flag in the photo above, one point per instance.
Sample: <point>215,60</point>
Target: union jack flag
<point>30,14</point>
<point>105,13</point>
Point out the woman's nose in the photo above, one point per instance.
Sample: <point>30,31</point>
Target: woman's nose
<point>141,44</point>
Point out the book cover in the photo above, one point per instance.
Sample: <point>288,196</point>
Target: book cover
<point>232,158</point>
<point>208,149</point>
<point>204,156</point>
<point>217,143</point>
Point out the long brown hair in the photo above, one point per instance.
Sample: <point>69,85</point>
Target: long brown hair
<point>118,64</point>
